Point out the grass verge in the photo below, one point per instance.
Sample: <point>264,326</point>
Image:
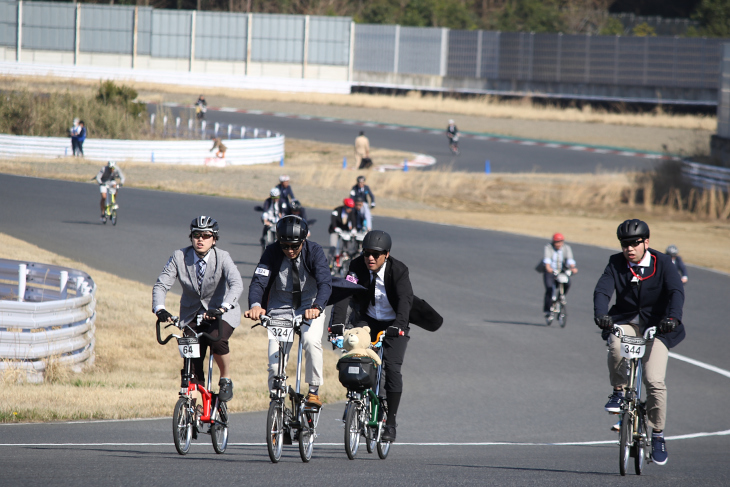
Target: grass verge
<point>133,377</point>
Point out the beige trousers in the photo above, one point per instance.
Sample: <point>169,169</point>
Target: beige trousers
<point>655,369</point>
<point>312,346</point>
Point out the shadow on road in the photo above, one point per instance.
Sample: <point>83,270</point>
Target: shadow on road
<point>526,469</point>
<point>72,222</point>
<point>498,322</point>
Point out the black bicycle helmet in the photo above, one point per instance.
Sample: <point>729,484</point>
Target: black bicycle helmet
<point>204,224</point>
<point>377,240</point>
<point>295,205</point>
<point>292,228</point>
<point>631,229</point>
<point>672,250</point>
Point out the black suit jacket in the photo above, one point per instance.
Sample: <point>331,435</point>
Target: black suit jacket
<point>659,296</point>
<point>397,288</point>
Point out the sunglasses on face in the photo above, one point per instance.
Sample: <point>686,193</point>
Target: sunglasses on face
<point>204,236</point>
<point>374,254</point>
<point>290,247</point>
<point>631,243</point>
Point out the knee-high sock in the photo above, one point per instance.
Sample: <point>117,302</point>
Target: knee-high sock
<point>393,403</point>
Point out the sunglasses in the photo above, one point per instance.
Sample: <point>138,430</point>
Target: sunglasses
<point>204,236</point>
<point>290,247</point>
<point>373,253</point>
<point>631,243</point>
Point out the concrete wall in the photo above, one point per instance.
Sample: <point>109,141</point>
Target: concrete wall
<point>720,143</point>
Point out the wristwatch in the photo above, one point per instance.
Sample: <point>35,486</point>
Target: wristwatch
<point>318,307</point>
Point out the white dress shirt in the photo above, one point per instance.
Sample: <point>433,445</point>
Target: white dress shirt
<point>382,310</point>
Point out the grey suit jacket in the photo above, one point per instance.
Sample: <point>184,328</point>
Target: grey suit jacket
<point>221,284</point>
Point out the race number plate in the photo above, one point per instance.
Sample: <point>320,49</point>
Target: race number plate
<point>633,347</point>
<point>189,347</point>
<point>281,333</point>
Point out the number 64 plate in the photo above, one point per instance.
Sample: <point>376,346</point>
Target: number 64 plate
<point>281,333</point>
<point>633,347</point>
<point>189,347</point>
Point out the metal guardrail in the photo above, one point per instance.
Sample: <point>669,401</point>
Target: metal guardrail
<point>186,152</point>
<point>47,313</point>
<point>706,176</point>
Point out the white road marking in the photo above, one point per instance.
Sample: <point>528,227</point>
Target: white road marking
<point>489,443</point>
<point>699,364</point>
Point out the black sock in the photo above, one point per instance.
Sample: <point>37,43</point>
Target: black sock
<point>314,390</point>
<point>393,399</point>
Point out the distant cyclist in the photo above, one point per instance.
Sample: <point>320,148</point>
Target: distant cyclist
<point>363,190</point>
<point>673,252</point>
<point>341,220</point>
<point>452,132</point>
<point>104,177</point>
<point>648,293</point>
<point>272,211</point>
<point>362,217</point>
<point>286,194</point>
<point>201,106</point>
<point>557,257</point>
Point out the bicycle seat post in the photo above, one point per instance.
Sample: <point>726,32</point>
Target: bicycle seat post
<point>299,358</point>
<point>210,370</point>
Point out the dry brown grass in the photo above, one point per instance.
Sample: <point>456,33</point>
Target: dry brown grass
<point>485,106</point>
<point>133,376</point>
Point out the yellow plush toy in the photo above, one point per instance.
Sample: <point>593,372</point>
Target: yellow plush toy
<point>357,343</point>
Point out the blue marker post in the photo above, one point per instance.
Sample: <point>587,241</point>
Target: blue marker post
<point>487,167</point>
<point>153,157</point>
<point>344,163</point>
<point>405,165</point>
<point>281,162</point>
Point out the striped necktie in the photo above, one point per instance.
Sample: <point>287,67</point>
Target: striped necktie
<point>201,273</point>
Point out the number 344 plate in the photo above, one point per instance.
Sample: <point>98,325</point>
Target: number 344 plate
<point>189,347</point>
<point>281,333</point>
<point>633,347</point>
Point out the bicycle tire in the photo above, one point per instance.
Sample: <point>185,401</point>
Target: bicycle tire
<point>306,439</point>
<point>352,430</point>
<point>219,430</point>
<point>624,442</point>
<point>275,431</point>
<point>562,315</point>
<point>641,444</point>
<point>113,217</point>
<point>383,446</point>
<point>182,426</point>
<point>370,435</point>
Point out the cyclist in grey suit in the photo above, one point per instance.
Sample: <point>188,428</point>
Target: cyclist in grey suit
<point>211,286</point>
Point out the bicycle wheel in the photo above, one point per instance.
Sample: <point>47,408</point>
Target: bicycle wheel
<point>219,429</point>
<point>306,438</point>
<point>114,217</point>
<point>370,434</point>
<point>562,315</point>
<point>641,444</point>
<point>625,441</point>
<point>275,430</point>
<point>383,446</point>
<point>352,430</point>
<point>182,426</point>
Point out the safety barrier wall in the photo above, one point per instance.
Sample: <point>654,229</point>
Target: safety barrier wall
<point>187,152</point>
<point>47,315</point>
<point>706,176</point>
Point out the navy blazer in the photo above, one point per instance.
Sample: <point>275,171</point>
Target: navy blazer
<point>314,260</point>
<point>657,297</point>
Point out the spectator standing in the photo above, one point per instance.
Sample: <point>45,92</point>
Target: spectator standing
<point>362,148</point>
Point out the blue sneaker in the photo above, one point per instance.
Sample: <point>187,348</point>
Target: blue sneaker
<point>658,449</point>
<point>614,403</point>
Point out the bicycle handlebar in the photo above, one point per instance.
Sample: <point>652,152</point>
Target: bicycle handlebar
<point>176,320</point>
<point>176,323</point>
<point>265,321</point>
<point>648,333</point>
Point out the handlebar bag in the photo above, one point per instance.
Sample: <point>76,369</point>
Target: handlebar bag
<point>357,373</point>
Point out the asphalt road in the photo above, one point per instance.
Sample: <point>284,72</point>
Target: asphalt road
<point>503,157</point>
<point>493,374</point>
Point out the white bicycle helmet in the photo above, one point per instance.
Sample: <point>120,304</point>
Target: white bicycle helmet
<point>283,178</point>
<point>275,193</point>
<point>111,164</point>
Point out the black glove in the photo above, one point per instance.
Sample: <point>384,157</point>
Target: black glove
<point>163,315</point>
<point>667,325</point>
<point>604,322</point>
<point>394,331</point>
<point>215,312</point>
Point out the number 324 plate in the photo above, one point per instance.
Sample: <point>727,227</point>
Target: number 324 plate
<point>189,347</point>
<point>281,333</point>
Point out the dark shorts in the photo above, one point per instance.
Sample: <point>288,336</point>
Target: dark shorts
<point>218,348</point>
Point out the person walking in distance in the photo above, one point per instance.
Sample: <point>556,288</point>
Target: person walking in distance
<point>648,293</point>
<point>362,148</point>
<point>211,286</point>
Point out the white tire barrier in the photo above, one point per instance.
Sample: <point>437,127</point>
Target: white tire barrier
<point>187,152</point>
<point>47,314</point>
